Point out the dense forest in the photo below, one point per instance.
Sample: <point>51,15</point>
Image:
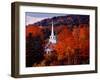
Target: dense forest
<point>72,47</point>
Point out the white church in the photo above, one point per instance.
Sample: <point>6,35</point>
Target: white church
<point>52,41</point>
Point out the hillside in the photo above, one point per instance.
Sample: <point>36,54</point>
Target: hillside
<point>72,46</point>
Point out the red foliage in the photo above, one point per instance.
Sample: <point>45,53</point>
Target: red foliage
<point>35,30</point>
<point>67,40</point>
<point>77,38</point>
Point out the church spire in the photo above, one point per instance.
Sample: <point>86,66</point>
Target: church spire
<point>52,38</point>
<point>52,30</point>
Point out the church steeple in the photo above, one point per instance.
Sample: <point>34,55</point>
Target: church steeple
<point>52,41</point>
<point>52,38</point>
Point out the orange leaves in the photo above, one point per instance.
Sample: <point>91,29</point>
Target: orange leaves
<point>35,30</point>
<point>67,40</point>
<point>84,33</point>
<point>60,47</point>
